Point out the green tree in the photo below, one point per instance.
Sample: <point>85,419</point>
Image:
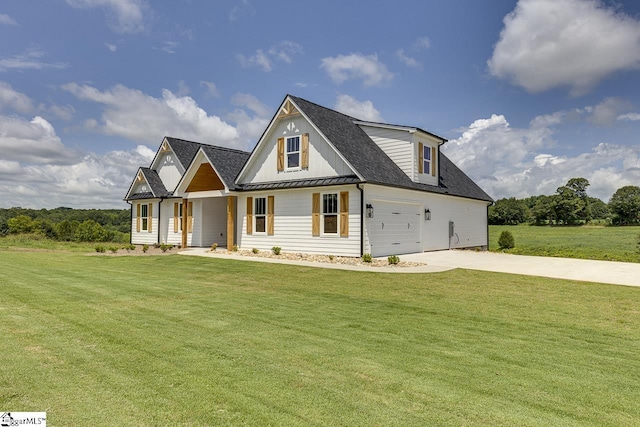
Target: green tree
<point>91,231</point>
<point>599,209</point>
<point>20,224</point>
<point>508,211</point>
<point>542,211</point>
<point>625,205</point>
<point>67,229</point>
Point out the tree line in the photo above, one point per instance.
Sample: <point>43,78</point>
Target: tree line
<point>67,224</point>
<point>570,205</point>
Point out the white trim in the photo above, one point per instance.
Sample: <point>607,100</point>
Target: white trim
<point>337,214</point>
<point>286,153</point>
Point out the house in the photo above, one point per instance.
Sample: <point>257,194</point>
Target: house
<point>317,181</point>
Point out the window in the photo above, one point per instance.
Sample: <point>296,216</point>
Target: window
<point>261,212</point>
<point>330,213</point>
<point>426,158</point>
<point>144,215</point>
<point>293,152</point>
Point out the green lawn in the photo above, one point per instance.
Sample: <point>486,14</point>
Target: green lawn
<point>175,340</point>
<point>603,243</point>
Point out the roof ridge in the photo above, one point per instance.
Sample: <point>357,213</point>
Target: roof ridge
<point>323,107</point>
<point>203,144</point>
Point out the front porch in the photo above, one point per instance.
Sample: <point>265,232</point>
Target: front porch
<point>209,220</point>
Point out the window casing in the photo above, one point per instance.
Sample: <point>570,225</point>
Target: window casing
<point>179,216</point>
<point>260,215</point>
<point>426,159</point>
<point>144,215</point>
<point>330,214</point>
<point>293,152</point>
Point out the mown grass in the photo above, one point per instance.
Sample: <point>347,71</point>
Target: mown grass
<point>601,243</point>
<point>177,340</point>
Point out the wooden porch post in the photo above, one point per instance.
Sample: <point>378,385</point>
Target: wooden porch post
<point>231,221</point>
<point>185,206</point>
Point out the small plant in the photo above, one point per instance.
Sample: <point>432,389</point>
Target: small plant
<point>165,247</point>
<point>214,247</point>
<point>331,257</point>
<point>276,250</point>
<point>367,258</point>
<point>156,245</point>
<point>255,250</point>
<point>100,249</point>
<point>506,240</point>
<point>393,259</point>
<point>130,247</point>
<point>113,249</point>
<point>234,248</point>
<point>145,248</point>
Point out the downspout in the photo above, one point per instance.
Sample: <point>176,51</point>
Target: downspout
<point>488,225</point>
<point>361,218</point>
<point>159,213</point>
<point>130,221</point>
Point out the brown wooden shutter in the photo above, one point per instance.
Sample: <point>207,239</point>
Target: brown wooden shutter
<point>315,214</point>
<point>280,154</point>
<point>249,215</point>
<point>433,161</point>
<point>270,212</point>
<point>420,157</point>
<point>138,217</point>
<point>189,218</point>
<point>305,151</point>
<point>176,212</point>
<point>344,214</point>
<point>150,220</point>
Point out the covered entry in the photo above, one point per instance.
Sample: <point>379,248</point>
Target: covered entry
<point>395,228</point>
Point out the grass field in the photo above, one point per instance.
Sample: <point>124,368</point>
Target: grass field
<point>175,340</point>
<point>603,243</point>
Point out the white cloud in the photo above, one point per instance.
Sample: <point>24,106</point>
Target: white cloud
<point>422,43</point>
<point>170,47</point>
<point>363,110</point>
<point>112,47</point>
<point>356,66</point>
<point>283,51</point>
<point>632,117</point>
<point>606,113</point>
<point>10,98</point>
<point>546,44</point>
<point>29,60</point>
<point>137,116</point>
<point>32,141</point>
<point>124,16</point>
<point>243,8</point>
<point>212,89</point>
<point>64,112</point>
<point>7,20</point>
<point>517,162</point>
<point>250,126</point>
<point>408,61</point>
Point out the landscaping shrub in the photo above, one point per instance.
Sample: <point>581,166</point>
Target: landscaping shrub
<point>214,246</point>
<point>234,248</point>
<point>367,258</point>
<point>506,240</point>
<point>276,250</point>
<point>255,250</point>
<point>393,259</point>
<point>165,247</point>
<point>100,249</point>
<point>113,249</point>
<point>145,247</point>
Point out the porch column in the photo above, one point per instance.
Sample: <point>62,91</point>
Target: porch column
<point>231,221</point>
<point>185,228</point>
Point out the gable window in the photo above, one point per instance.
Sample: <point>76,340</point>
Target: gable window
<point>426,159</point>
<point>330,213</point>
<point>261,214</point>
<point>293,152</point>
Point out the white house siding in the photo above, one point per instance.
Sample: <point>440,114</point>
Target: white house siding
<point>397,144</point>
<point>144,236</point>
<point>469,216</point>
<point>141,187</point>
<point>324,161</point>
<point>293,223</point>
<point>169,170</point>
<point>426,177</point>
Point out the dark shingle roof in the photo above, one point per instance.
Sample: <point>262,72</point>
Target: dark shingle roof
<point>184,150</point>
<point>155,185</point>
<point>373,164</point>
<point>315,182</point>
<point>227,161</point>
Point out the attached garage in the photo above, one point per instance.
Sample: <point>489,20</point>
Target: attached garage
<point>395,228</point>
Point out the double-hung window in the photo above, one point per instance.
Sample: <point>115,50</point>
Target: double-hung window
<point>261,214</point>
<point>293,152</point>
<point>144,216</point>
<point>426,158</point>
<point>330,213</point>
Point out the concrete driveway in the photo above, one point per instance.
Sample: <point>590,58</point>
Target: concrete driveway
<point>618,273</point>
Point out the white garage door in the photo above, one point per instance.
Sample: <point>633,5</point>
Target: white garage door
<point>395,229</point>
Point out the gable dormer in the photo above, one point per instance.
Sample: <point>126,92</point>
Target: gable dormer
<point>292,148</point>
<point>415,151</point>
<point>167,165</point>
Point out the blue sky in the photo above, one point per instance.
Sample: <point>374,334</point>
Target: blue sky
<point>529,93</point>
